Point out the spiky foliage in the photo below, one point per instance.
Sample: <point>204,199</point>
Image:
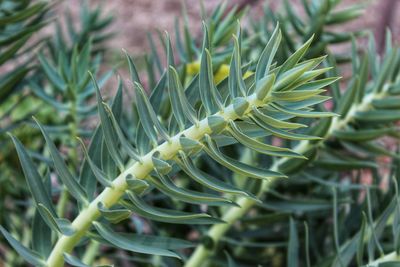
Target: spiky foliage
<point>323,19</point>
<point>57,90</point>
<point>237,112</point>
<point>19,20</point>
<point>223,145</point>
<point>347,144</point>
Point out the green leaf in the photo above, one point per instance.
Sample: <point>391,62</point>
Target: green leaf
<point>207,180</point>
<point>180,105</point>
<point>360,250</point>
<point>189,146</point>
<point>342,165</point>
<point>98,173</point>
<point>209,95</point>
<point>348,97</point>
<point>62,226</point>
<point>10,81</point>
<point>86,177</point>
<point>387,103</point>
<point>165,185</point>
<point>237,166</point>
<point>160,165</point>
<point>258,146</point>
<point>293,246</point>
<point>41,242</point>
<point>10,51</point>
<point>74,188</point>
<point>35,182</point>
<point>236,85</point>
<point>345,15</point>
<point>302,113</point>
<point>288,80</point>
<point>165,215</point>
<point>295,57</point>
<point>73,261</point>
<point>27,254</point>
<point>125,144</point>
<point>386,70</point>
<point>297,95</point>
<point>169,52</point>
<point>23,14</point>
<point>389,264</point>
<point>274,122</point>
<point>52,74</point>
<point>154,54</point>
<point>362,135</point>
<point>268,54</point>
<point>108,130</point>
<point>113,215</point>
<point>307,244</point>
<point>152,245</point>
<point>316,84</point>
<point>264,86</point>
<point>137,186</point>
<point>148,118</point>
<point>231,263</point>
<point>380,116</point>
<point>283,134</point>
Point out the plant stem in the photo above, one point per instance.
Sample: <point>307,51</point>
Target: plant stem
<point>62,202</point>
<point>233,214</point>
<point>91,253</point>
<point>387,258</point>
<point>140,170</point>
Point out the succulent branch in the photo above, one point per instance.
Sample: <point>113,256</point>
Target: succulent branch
<point>286,84</point>
<point>246,140</point>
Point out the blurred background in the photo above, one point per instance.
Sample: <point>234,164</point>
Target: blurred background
<point>134,18</point>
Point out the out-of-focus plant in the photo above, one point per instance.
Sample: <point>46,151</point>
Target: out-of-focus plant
<point>322,19</point>
<point>19,20</point>
<point>57,90</point>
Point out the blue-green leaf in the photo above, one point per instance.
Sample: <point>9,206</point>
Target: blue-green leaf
<point>237,87</point>
<point>166,215</point>
<point>148,117</point>
<point>125,144</point>
<point>62,226</point>
<point>130,244</point>
<point>27,254</point>
<point>293,246</point>
<point>41,242</point>
<point>74,188</point>
<point>73,261</point>
<point>237,166</point>
<point>108,133</point>
<point>180,105</point>
<point>52,74</point>
<point>35,182</point>
<point>98,173</point>
<point>283,134</point>
<point>165,185</point>
<point>268,54</point>
<point>137,186</point>
<point>207,180</point>
<point>113,215</point>
<point>295,57</point>
<point>260,147</point>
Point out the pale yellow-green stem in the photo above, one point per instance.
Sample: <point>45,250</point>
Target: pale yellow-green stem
<point>202,253</point>
<point>140,170</point>
<point>387,258</point>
